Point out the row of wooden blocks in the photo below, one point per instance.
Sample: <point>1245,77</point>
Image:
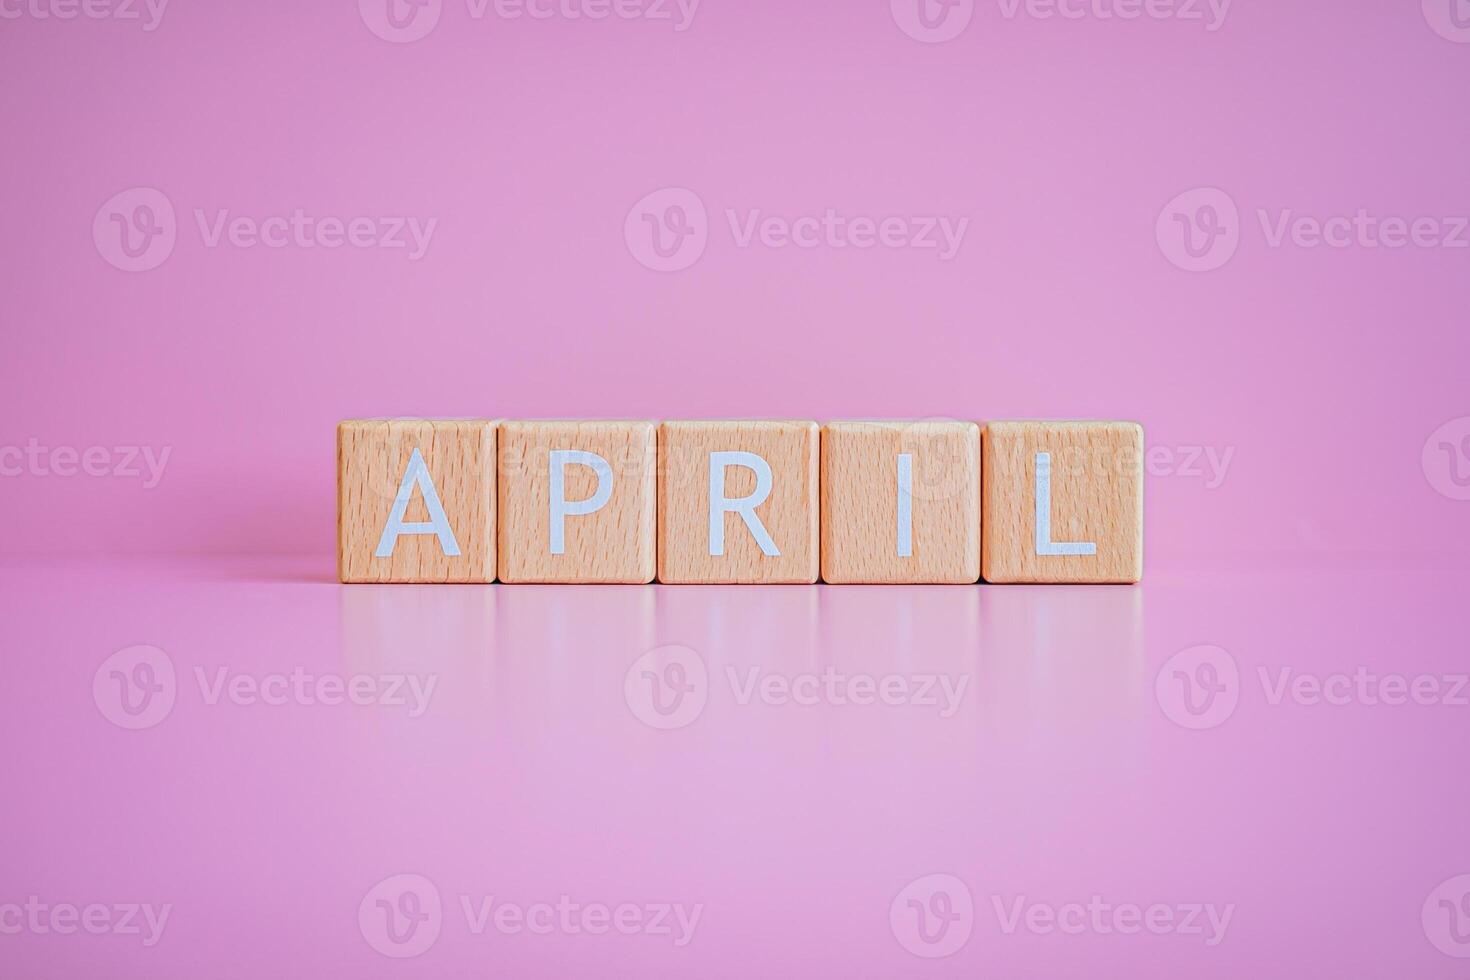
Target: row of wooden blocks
<point>749,502</point>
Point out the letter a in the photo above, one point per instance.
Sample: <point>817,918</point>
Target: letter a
<point>417,475</point>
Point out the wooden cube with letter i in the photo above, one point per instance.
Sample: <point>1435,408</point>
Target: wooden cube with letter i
<point>416,501</point>
<point>1062,502</point>
<point>901,502</point>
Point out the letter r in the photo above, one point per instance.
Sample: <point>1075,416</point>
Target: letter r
<point>720,505</point>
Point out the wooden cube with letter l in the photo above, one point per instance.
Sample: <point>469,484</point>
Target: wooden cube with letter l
<point>737,502</point>
<point>416,501</point>
<point>1062,502</point>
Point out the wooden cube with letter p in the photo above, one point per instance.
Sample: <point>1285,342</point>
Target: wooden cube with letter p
<point>416,501</point>
<point>737,502</point>
<point>1062,502</point>
<point>577,501</point>
<point>901,502</point>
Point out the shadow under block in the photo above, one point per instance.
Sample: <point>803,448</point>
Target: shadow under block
<point>901,502</point>
<point>1062,502</point>
<point>737,502</point>
<point>577,501</point>
<point>416,501</point>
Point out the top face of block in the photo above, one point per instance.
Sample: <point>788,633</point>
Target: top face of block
<point>762,479</point>
<point>577,501</point>
<point>416,501</point>
<point>1062,502</point>
<point>901,502</point>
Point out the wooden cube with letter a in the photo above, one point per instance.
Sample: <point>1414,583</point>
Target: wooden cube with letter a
<point>737,502</point>
<point>577,501</point>
<point>416,501</point>
<point>901,502</point>
<point>1062,502</point>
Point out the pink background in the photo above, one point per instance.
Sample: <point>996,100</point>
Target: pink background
<point>530,140</point>
<point>1091,754</point>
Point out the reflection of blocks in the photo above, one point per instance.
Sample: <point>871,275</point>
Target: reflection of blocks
<point>577,501</point>
<point>737,502</point>
<point>416,501</point>
<point>1062,502</point>
<point>901,502</point>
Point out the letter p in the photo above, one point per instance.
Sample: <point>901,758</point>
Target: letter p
<point>561,507</point>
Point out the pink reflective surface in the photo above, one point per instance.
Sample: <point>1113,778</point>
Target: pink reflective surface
<point>665,781</point>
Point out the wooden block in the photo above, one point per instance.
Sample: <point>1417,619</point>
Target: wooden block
<point>416,501</point>
<point>577,501</point>
<point>901,502</point>
<point>737,502</point>
<point>1085,478</point>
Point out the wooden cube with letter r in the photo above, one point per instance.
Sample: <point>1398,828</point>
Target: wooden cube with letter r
<point>737,502</point>
<point>416,501</point>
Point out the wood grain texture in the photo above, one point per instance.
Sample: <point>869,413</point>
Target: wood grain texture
<point>372,458</point>
<point>859,512</point>
<point>1096,496</point>
<point>789,514</point>
<point>614,544</point>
